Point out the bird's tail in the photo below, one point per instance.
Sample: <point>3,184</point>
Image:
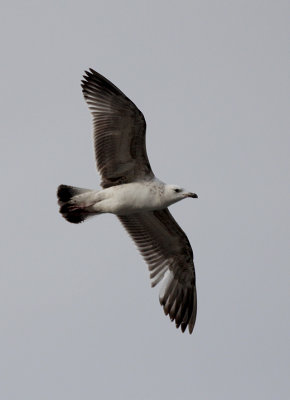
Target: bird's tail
<point>71,201</point>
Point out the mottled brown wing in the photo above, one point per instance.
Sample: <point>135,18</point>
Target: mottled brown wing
<point>119,132</point>
<point>168,253</point>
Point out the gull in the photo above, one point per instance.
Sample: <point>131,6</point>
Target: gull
<point>131,191</point>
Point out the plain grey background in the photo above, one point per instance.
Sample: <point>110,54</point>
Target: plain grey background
<point>78,317</point>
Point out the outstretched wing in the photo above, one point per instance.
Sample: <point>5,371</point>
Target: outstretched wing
<point>119,132</point>
<point>169,256</point>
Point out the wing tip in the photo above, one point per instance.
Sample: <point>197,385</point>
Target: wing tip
<point>97,82</point>
<point>181,308</point>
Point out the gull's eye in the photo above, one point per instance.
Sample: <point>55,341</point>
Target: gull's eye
<point>177,190</point>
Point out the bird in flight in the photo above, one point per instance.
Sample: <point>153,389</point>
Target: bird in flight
<point>131,191</point>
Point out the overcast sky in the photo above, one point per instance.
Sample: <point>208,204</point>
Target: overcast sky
<point>78,317</point>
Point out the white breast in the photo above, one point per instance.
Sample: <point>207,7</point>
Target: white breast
<point>132,198</point>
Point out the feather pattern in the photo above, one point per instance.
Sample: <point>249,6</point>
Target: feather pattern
<point>119,132</point>
<point>120,148</point>
<point>168,253</point>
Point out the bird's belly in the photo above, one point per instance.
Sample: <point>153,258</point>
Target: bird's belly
<point>133,198</point>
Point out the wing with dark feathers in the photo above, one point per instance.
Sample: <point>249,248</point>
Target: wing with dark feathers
<point>168,253</point>
<point>119,132</point>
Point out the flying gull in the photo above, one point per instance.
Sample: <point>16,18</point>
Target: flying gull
<point>133,193</point>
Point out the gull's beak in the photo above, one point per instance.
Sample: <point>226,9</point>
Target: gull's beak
<point>192,195</point>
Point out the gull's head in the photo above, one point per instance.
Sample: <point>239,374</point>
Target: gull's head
<point>175,193</point>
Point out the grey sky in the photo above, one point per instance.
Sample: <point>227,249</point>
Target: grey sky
<point>78,317</point>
